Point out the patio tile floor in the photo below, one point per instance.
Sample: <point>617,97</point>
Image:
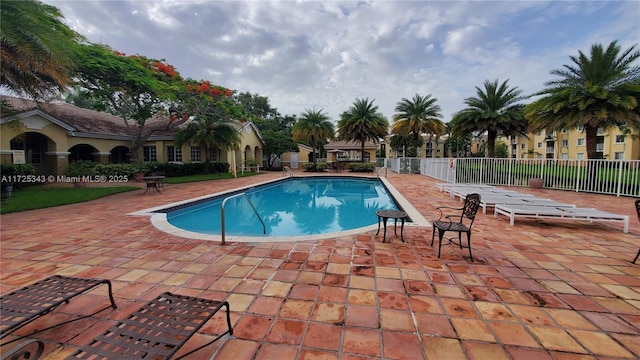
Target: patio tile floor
<point>537,290</point>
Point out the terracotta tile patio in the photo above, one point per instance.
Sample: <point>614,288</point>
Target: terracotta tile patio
<point>537,290</point>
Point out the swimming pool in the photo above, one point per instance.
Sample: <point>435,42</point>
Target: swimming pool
<point>299,208</point>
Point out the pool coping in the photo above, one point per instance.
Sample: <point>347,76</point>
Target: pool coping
<point>159,220</point>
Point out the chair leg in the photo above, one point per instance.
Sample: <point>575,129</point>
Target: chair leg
<point>433,235</point>
<point>469,244</point>
<point>634,260</point>
<point>440,235</point>
<point>460,240</point>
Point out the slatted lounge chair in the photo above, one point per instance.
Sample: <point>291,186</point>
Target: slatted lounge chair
<point>548,212</point>
<point>30,302</point>
<point>489,201</point>
<point>24,305</point>
<point>155,331</point>
<point>444,186</point>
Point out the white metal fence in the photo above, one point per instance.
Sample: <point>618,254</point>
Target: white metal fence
<point>617,177</point>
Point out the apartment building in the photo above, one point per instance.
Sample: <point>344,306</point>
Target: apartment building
<point>571,144</point>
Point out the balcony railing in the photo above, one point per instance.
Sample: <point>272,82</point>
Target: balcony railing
<point>616,177</point>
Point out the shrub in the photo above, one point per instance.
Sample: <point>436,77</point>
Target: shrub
<point>13,169</point>
<point>81,168</point>
<point>174,170</point>
<point>362,167</point>
<point>321,166</point>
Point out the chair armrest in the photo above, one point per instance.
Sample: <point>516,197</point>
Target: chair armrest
<point>449,207</point>
<point>443,215</point>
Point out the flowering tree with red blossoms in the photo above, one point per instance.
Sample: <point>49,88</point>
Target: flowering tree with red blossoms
<point>148,94</point>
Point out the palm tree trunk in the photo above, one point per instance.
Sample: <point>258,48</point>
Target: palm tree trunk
<point>491,143</point>
<point>362,152</point>
<point>591,137</point>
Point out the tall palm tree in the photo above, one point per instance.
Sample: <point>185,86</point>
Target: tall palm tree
<point>313,125</point>
<point>494,110</point>
<point>362,123</point>
<point>416,116</point>
<point>601,89</point>
<point>209,133</point>
<point>36,48</point>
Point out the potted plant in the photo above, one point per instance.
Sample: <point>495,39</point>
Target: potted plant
<point>8,173</point>
<point>138,170</point>
<point>252,164</point>
<point>536,183</point>
<point>79,170</point>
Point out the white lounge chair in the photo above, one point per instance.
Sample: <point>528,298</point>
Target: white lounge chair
<point>566,213</point>
<point>492,201</point>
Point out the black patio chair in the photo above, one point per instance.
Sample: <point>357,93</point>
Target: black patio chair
<point>638,211</point>
<point>460,223</point>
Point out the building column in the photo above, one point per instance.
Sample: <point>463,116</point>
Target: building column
<point>56,161</point>
<point>101,157</point>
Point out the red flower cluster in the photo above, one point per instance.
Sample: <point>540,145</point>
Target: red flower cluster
<point>164,68</point>
<point>205,88</point>
<point>118,53</point>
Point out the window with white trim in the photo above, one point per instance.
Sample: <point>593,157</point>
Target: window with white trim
<point>195,154</point>
<point>213,155</point>
<point>174,154</point>
<point>565,143</point>
<point>619,139</point>
<point>149,154</point>
<point>618,155</point>
<point>580,156</point>
<point>581,142</point>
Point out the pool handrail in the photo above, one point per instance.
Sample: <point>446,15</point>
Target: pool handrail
<point>385,171</point>
<point>222,233</point>
<point>287,171</point>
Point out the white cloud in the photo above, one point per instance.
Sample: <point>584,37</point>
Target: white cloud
<point>325,54</point>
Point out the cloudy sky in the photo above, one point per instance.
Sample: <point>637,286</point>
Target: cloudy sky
<point>325,54</point>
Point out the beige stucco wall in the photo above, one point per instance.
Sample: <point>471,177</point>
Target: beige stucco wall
<point>59,141</point>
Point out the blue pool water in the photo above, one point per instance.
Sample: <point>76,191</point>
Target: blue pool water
<point>299,206</point>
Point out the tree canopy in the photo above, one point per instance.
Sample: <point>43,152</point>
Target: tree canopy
<point>599,89</point>
<point>36,55</point>
<point>362,123</point>
<point>313,126</point>
<point>495,110</point>
<point>139,89</point>
<point>417,116</point>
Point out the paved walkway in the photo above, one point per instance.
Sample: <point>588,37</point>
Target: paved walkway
<point>537,290</point>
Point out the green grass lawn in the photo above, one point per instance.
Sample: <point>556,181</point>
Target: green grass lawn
<point>204,177</point>
<point>38,197</point>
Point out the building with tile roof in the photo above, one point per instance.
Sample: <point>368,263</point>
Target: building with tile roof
<point>52,134</point>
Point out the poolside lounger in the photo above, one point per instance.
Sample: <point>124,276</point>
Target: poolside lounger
<point>30,302</point>
<point>155,331</point>
<point>24,305</point>
<point>489,201</point>
<point>567,213</point>
<point>443,186</point>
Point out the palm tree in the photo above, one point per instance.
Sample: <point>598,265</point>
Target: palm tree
<point>494,110</point>
<point>599,90</point>
<point>313,125</point>
<point>37,47</point>
<point>362,123</point>
<point>416,116</point>
<point>208,133</point>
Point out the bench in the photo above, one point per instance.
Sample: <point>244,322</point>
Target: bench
<point>155,331</point>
